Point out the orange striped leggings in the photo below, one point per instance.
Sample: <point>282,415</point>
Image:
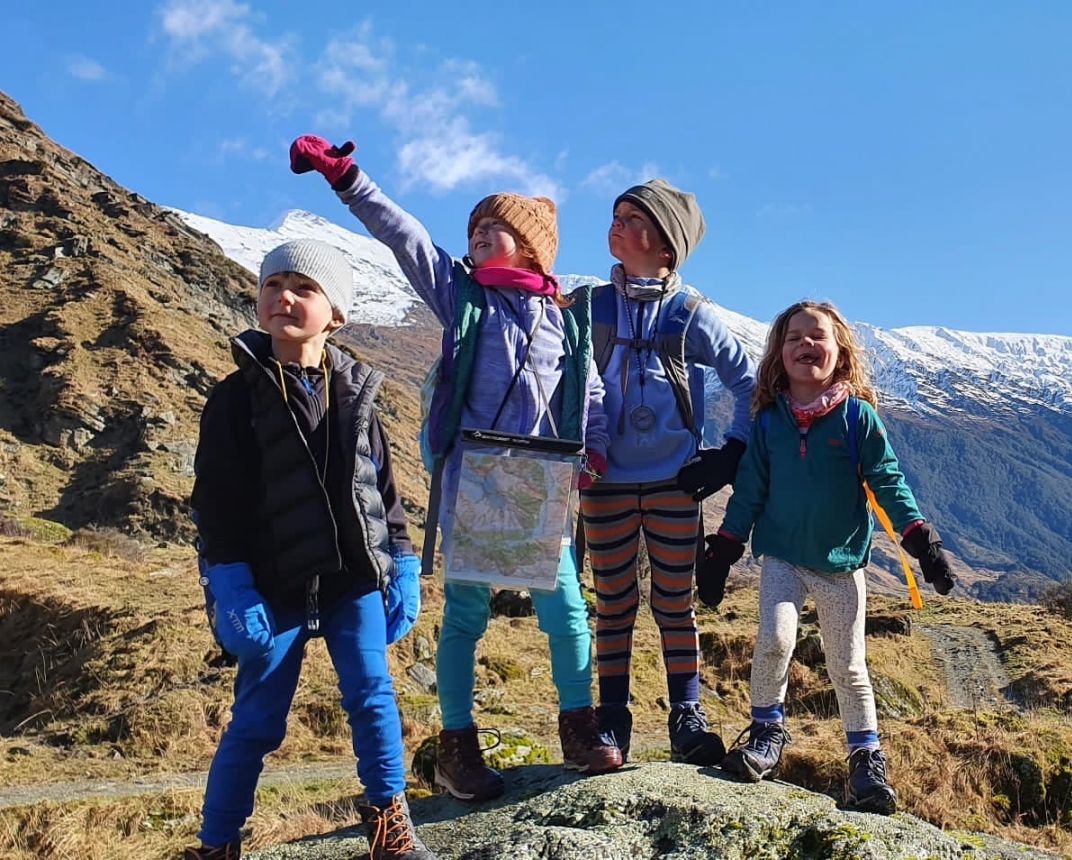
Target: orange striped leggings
<point>613,517</point>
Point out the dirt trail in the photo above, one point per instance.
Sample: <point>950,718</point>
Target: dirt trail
<point>974,675</point>
<point>103,789</point>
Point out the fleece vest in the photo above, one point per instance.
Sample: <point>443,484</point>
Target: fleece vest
<point>300,542</point>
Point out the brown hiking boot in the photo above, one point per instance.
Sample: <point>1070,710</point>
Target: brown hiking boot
<point>583,749</point>
<point>230,851</point>
<point>390,832</point>
<point>460,767</point>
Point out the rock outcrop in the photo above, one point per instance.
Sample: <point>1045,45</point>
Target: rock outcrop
<point>665,810</point>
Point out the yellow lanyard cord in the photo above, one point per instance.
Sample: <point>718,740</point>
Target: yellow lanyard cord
<point>323,370</point>
<point>910,579</point>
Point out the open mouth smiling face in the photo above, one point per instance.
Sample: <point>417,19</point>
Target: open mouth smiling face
<point>810,350</point>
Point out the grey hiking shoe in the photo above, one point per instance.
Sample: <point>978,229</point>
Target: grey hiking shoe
<point>390,832</point>
<point>690,741</point>
<point>867,789</point>
<point>760,755</point>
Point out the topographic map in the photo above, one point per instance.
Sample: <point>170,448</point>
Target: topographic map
<point>509,519</point>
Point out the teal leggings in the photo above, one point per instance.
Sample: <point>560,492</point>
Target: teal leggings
<point>562,615</point>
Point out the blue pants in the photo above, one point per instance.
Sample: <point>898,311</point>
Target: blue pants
<point>562,615</point>
<point>355,633</point>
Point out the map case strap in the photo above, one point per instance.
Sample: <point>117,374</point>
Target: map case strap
<point>497,439</point>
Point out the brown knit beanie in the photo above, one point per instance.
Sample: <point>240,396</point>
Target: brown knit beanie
<point>531,218</point>
<point>675,212</point>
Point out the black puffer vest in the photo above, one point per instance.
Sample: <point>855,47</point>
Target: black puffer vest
<point>298,547</point>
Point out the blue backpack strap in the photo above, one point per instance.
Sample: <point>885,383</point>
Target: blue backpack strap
<point>852,417</point>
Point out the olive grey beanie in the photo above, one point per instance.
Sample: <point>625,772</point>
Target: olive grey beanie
<point>318,261</point>
<point>675,212</point>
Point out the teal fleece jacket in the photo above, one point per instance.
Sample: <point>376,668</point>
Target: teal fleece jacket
<point>800,497</point>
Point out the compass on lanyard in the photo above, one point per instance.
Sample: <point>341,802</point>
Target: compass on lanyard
<point>642,417</point>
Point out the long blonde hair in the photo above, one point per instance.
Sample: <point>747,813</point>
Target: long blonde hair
<point>851,365</point>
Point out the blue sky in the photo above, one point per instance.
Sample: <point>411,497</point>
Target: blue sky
<point>910,161</point>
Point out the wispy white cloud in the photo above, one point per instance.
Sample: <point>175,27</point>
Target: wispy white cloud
<point>239,147</point>
<point>613,177</point>
<point>440,149</point>
<point>86,69</point>
<point>433,112</point>
<point>199,29</point>
<point>716,173</point>
<point>783,211</point>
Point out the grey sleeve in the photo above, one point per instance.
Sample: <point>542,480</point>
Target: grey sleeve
<point>428,268</point>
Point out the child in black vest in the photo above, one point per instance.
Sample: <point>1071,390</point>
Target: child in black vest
<point>302,534</point>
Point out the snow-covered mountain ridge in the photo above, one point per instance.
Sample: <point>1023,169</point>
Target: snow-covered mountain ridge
<point>924,369</point>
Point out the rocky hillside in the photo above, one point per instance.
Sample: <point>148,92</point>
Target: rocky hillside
<point>114,329</point>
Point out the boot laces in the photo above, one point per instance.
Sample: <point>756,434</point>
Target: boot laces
<point>763,736</point>
<point>581,728</point>
<point>393,831</point>
<point>873,763</point>
<point>471,756</point>
<point>690,718</point>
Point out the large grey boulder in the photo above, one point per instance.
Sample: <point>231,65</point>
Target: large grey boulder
<point>671,811</point>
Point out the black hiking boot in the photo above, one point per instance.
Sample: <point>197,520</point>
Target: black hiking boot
<point>460,768</point>
<point>867,789</point>
<point>230,851</point>
<point>760,755</point>
<point>690,741</point>
<point>616,727</point>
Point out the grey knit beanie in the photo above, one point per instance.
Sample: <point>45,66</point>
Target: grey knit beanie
<point>675,212</point>
<point>319,261</point>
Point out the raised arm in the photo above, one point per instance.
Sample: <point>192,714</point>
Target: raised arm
<point>428,268</point>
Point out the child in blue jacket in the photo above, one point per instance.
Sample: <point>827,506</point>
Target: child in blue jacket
<point>520,381</point>
<point>799,494</point>
<point>302,534</point>
<point>653,337</point>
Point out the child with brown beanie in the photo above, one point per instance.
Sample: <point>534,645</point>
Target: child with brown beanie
<point>502,312</point>
<point>652,337</point>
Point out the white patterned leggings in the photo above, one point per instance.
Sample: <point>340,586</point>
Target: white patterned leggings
<point>840,600</point>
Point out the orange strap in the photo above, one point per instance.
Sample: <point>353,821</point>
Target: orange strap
<point>913,590</point>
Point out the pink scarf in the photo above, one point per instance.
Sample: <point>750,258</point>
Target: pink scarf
<point>506,277</point>
<point>807,413</point>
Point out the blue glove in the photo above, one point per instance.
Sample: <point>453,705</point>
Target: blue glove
<point>403,597</point>
<point>241,618</point>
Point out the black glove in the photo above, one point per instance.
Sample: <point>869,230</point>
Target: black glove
<point>924,543</point>
<point>721,554</point>
<point>711,470</point>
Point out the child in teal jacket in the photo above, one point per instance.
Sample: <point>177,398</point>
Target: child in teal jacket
<point>799,494</point>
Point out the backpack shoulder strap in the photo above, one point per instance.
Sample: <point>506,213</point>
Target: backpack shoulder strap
<point>604,324</point>
<point>671,349</point>
<point>852,417</point>
<point>577,346</point>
